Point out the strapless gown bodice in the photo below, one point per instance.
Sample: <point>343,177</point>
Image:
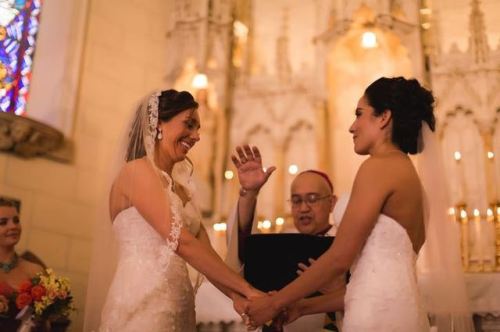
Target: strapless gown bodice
<point>382,294</point>
<point>151,289</point>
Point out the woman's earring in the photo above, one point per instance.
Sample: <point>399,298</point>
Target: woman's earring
<point>160,135</point>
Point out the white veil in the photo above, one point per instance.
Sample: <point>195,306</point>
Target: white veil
<point>440,273</point>
<point>138,141</point>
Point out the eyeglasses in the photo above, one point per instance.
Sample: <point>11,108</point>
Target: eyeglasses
<point>310,199</point>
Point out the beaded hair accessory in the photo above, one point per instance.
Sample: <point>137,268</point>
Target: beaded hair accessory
<point>152,120</point>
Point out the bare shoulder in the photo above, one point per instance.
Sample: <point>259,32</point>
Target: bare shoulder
<point>386,166</point>
<point>29,267</point>
<point>372,166</point>
<point>131,170</point>
<point>136,166</point>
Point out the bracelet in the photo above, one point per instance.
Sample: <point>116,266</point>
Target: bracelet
<point>244,192</point>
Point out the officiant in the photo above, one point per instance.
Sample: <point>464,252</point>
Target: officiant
<point>312,200</point>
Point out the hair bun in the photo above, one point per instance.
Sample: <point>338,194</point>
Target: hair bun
<point>410,104</point>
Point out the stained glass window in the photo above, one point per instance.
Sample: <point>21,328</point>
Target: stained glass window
<point>19,21</point>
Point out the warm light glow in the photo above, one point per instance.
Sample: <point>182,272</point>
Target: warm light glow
<point>264,169</point>
<point>491,155</point>
<point>200,81</point>
<point>451,211</point>
<point>266,224</point>
<point>425,11</point>
<point>280,221</point>
<point>228,174</point>
<point>259,224</point>
<point>463,214</point>
<point>293,169</point>
<point>369,40</point>
<point>476,213</point>
<point>457,155</point>
<point>240,29</point>
<point>220,227</point>
<point>489,213</point>
<point>426,26</point>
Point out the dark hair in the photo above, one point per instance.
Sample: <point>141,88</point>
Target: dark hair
<point>409,103</point>
<point>170,103</point>
<point>173,102</point>
<point>10,203</point>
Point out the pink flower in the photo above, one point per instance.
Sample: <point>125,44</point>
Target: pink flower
<point>23,299</point>
<point>52,294</point>
<point>62,295</point>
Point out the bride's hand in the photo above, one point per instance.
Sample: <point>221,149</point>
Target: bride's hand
<point>262,310</point>
<point>240,304</point>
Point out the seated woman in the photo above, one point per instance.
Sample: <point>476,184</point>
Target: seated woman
<point>13,269</point>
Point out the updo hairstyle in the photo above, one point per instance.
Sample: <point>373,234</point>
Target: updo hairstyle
<point>409,103</point>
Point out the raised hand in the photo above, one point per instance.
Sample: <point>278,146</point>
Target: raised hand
<point>249,165</point>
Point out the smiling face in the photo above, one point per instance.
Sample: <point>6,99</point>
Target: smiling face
<point>366,128</point>
<point>180,134</point>
<point>10,226</point>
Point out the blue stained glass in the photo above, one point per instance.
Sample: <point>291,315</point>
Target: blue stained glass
<point>19,22</point>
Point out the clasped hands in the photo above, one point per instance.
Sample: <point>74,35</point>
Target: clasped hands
<point>261,309</point>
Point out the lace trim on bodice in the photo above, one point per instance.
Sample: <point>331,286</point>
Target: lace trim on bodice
<point>140,242</point>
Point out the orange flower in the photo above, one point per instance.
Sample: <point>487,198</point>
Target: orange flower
<point>37,292</point>
<point>22,300</point>
<point>25,286</point>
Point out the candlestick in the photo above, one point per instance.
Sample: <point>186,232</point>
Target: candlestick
<point>464,240</point>
<point>475,243</point>
<point>497,236</point>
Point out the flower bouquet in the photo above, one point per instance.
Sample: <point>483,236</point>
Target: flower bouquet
<point>43,299</point>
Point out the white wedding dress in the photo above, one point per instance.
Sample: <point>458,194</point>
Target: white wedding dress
<point>151,290</point>
<point>382,294</point>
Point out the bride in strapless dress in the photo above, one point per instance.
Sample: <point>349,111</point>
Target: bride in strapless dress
<point>158,228</point>
<point>381,226</point>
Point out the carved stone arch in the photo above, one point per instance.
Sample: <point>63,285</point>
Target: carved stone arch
<point>296,127</point>
<point>467,177</point>
<point>255,131</point>
<point>451,113</point>
<point>458,93</point>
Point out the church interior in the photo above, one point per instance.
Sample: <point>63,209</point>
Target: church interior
<point>284,75</point>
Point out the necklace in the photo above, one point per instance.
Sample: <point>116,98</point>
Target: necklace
<point>9,266</point>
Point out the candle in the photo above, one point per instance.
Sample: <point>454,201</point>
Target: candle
<point>477,244</point>
<point>464,240</point>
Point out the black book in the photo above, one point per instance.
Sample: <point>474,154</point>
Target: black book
<point>271,260</point>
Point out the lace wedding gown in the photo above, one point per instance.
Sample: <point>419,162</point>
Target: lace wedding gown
<point>151,290</point>
<point>382,294</point>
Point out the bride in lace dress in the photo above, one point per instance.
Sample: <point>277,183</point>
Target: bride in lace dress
<point>157,226</point>
<point>381,224</point>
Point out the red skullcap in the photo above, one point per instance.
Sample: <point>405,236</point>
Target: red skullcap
<point>322,174</point>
